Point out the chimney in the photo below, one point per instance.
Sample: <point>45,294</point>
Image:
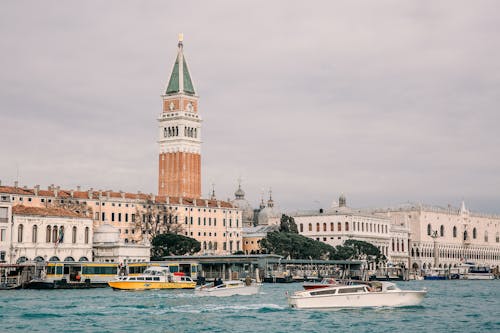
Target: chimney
<point>72,193</point>
<point>91,193</point>
<point>16,183</point>
<point>25,187</point>
<point>122,194</point>
<point>51,187</point>
<point>218,204</point>
<point>153,197</point>
<point>167,200</point>
<point>56,191</point>
<point>78,188</point>
<point>180,200</point>
<point>0,182</point>
<point>206,203</point>
<point>194,202</point>
<point>108,194</point>
<point>36,189</point>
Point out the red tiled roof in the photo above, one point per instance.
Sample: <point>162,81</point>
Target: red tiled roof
<point>42,211</point>
<point>126,195</point>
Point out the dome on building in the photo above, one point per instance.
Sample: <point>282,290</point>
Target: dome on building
<point>244,205</point>
<point>267,214</point>
<point>106,233</point>
<point>270,214</point>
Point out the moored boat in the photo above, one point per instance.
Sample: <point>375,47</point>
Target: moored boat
<point>376,294</point>
<point>228,288</point>
<point>474,272</point>
<point>153,278</point>
<point>326,282</point>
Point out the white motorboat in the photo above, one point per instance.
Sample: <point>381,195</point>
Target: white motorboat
<point>473,272</point>
<point>228,288</point>
<point>375,294</point>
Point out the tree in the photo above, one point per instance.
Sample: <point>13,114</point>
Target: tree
<point>171,244</point>
<point>155,219</point>
<point>295,246</point>
<point>356,249</point>
<point>287,224</point>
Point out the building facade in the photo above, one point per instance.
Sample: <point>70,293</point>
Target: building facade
<point>179,172</point>
<point>5,228</point>
<point>215,224</point>
<point>335,225</point>
<point>446,237</point>
<point>49,234</point>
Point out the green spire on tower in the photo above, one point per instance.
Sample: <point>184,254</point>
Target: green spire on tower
<point>180,79</point>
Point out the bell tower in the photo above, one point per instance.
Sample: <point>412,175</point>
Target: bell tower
<point>180,134</point>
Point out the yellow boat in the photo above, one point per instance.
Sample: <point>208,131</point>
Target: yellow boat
<point>153,278</point>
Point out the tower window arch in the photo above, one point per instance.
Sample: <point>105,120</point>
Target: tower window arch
<point>441,231</point>
<point>429,230</point>
<point>454,231</point>
<point>465,235</point>
<point>474,233</point>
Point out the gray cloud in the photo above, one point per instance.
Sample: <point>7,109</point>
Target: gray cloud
<point>386,101</point>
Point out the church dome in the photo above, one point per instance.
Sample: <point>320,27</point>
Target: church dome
<point>106,233</point>
<point>244,205</point>
<point>267,214</point>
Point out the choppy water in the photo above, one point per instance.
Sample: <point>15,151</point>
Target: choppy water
<point>451,306</point>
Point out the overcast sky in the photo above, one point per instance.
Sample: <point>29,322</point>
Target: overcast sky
<point>385,101</point>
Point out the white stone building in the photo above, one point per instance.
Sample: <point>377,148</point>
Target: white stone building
<point>109,247</point>
<point>335,225</point>
<point>444,237</point>
<point>49,234</point>
<point>5,228</point>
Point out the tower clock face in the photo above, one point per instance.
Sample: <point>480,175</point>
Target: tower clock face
<point>171,106</point>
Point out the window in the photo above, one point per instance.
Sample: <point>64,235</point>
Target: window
<point>2,235</point>
<point>86,235</point>
<point>103,217</point>
<point>332,227</point>
<point>20,233</point>
<point>301,227</point>
<point>324,226</point>
<point>339,226</point>
<point>429,230</point>
<point>310,227</point>
<point>317,227</point>
<point>441,231</point>
<point>119,217</point>
<point>47,234</point>
<point>34,235</point>
<point>4,213</point>
<point>347,226</point>
<point>454,232</point>
<point>73,235</point>
<point>474,233</point>
<point>486,236</point>
<point>112,217</point>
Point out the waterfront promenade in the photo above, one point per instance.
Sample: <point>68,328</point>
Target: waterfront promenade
<point>451,306</point>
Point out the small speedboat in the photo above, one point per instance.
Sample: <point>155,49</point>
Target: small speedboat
<point>375,294</point>
<point>326,282</point>
<point>229,288</point>
<point>153,278</point>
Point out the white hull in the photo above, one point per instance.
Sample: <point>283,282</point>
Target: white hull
<point>375,299</point>
<point>476,276</point>
<point>223,292</point>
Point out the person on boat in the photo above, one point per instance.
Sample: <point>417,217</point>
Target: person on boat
<point>248,280</point>
<point>217,282</point>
